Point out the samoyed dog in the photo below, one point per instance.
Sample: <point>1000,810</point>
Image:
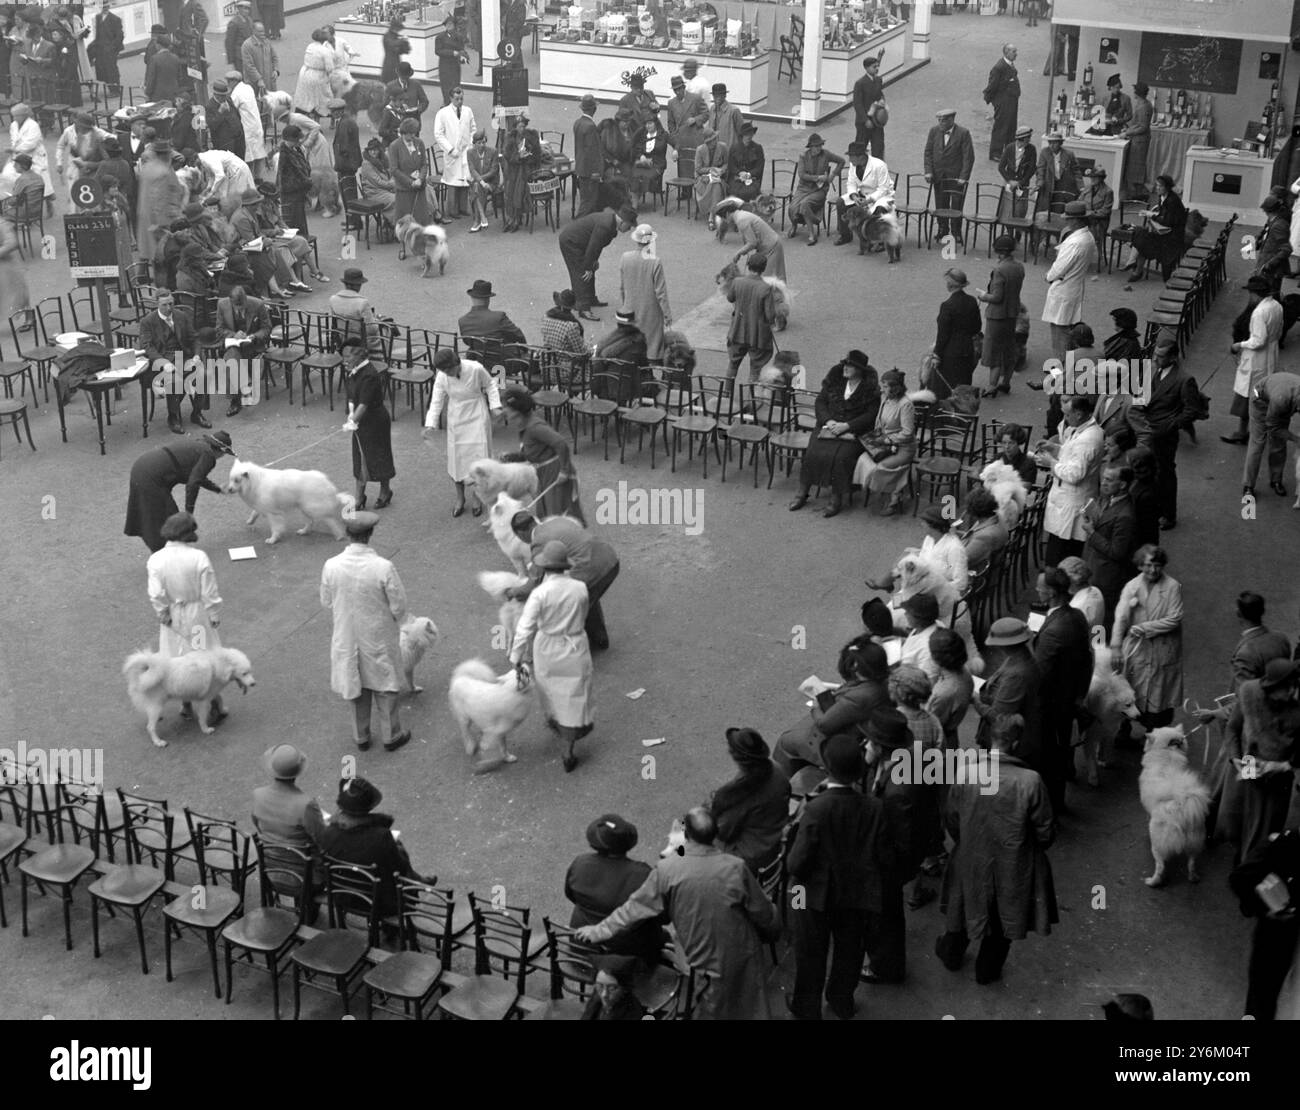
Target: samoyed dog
<point>275,494</point>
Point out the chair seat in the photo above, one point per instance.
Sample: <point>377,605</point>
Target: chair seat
<point>695,425</point>
<point>151,840</point>
<point>480,999</point>
<point>550,398</point>
<point>59,863</point>
<point>644,414</point>
<point>792,441</point>
<point>595,407</point>
<point>218,905</point>
<point>42,353</point>
<point>322,362</point>
<point>655,990</point>
<point>750,433</point>
<point>367,207</point>
<point>409,355</point>
<point>410,375</point>
<point>941,466</point>
<point>284,354</point>
<point>558,1009</point>
<point>405,975</point>
<point>128,315</point>
<point>10,838</point>
<point>130,885</point>
<point>10,369</point>
<point>680,182</point>
<point>333,952</point>
<point>1020,223</point>
<point>263,929</point>
<point>1163,317</point>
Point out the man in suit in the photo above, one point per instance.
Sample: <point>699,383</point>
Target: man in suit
<point>581,243</point>
<point>949,159</point>
<point>450,48</point>
<point>1063,652</point>
<point>868,91</point>
<point>1160,420</point>
<point>166,333</point>
<point>225,129</point>
<point>1003,92</point>
<point>1110,526</point>
<point>165,74</point>
<point>237,32</point>
<point>1058,172</point>
<point>1099,199</point>
<point>261,64</point>
<point>984,535</point>
<point>1258,646</point>
<point>687,116</point>
<point>405,99</point>
<point>245,318</point>
<point>483,323</point>
<point>1273,252</point>
<point>1018,167</point>
<point>1271,408</point>
<point>106,47</point>
<point>725,120</point>
<point>1002,301</point>
<point>588,157</point>
<point>839,857</point>
<point>751,319</point>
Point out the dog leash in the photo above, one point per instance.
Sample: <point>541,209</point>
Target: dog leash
<point>302,449</point>
<point>541,495</point>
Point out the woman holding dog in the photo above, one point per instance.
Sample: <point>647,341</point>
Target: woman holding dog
<point>755,232</point>
<point>846,407</point>
<point>551,630</point>
<point>470,396</point>
<point>372,431</point>
<point>548,451</point>
<point>1148,637</point>
<point>408,166</point>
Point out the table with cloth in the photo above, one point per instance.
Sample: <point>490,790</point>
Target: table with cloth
<point>1168,150</point>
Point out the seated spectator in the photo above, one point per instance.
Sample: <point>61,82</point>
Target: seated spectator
<point>1012,444</point>
<point>920,617</point>
<point>1084,596</point>
<point>1124,343</point>
<point>650,158</point>
<point>600,881</point>
<point>752,809</point>
<point>561,328</point>
<point>281,811</point>
<point>237,272</point>
<point>984,534</point>
<point>612,998</point>
<point>1117,444</point>
<point>351,306</point>
<point>622,351</point>
<point>878,619</point>
<point>943,549</point>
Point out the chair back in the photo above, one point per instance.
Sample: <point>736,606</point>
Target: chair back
<point>222,852</point>
<point>147,827</point>
<point>917,192</point>
<point>284,873</point>
<point>987,199</point>
<point>802,410</point>
<point>948,435</point>
<point>87,805</point>
<point>573,974</point>
<point>786,169</point>
<point>948,193</point>
<point>555,138</point>
<point>717,396</point>
<point>616,379</point>
<point>85,296</point>
<point>49,315</point>
<point>686,165</point>
<point>352,890</point>
<point>500,940</point>
<point>426,914</point>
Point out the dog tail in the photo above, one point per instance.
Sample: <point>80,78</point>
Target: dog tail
<point>1178,824</point>
<point>140,670</point>
<point>347,502</point>
<point>496,582</point>
<point>475,669</point>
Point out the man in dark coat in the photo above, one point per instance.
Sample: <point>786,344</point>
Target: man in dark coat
<point>165,74</point>
<point>868,91</point>
<point>840,857</point>
<point>225,131</point>
<point>581,242</point>
<point>106,47</point>
<point>954,342</point>
<point>165,333</point>
<point>1002,299</point>
<point>1058,172</point>
<point>1277,932</point>
<point>751,319</point>
<point>1159,423</point>
<point>1013,686</point>
<point>450,48</point>
<point>1018,167</point>
<point>514,17</point>
<point>1273,253</point>
<point>600,881</point>
<point>1003,92</point>
<point>483,323</point>
<point>588,157</point>
<point>1063,652</point>
<point>626,346</point>
<point>404,98</point>
<point>592,562</point>
<point>949,157</point>
<point>160,469</point>
<point>237,30</point>
<point>1111,526</point>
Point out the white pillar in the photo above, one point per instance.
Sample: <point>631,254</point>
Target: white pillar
<point>491,30</point>
<point>811,89</point>
<point>921,29</point>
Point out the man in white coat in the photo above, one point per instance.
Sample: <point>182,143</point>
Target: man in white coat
<point>453,131</point>
<point>1075,256</point>
<point>644,290</point>
<point>226,177</point>
<point>1258,352</point>
<point>246,104</point>
<point>183,593</point>
<point>25,138</point>
<point>1076,479</point>
<point>366,596</point>
<point>75,153</point>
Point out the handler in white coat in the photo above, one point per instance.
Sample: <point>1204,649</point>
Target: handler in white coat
<point>369,603</point>
<point>245,101</point>
<point>470,395</point>
<point>25,138</point>
<point>1258,353</point>
<point>1076,472</point>
<point>453,131</point>
<point>552,625</point>
<point>226,177</point>
<point>183,593</point>
<point>1066,280</point>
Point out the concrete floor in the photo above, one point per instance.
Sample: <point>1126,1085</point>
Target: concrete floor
<point>704,623</point>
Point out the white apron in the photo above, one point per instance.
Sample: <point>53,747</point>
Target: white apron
<point>454,138</point>
<point>552,621</point>
<point>1258,362</point>
<point>468,400</point>
<point>183,583</point>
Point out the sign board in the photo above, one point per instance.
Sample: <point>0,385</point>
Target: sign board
<point>1263,20</point>
<point>1187,62</point>
<point>510,87</point>
<point>92,245</point>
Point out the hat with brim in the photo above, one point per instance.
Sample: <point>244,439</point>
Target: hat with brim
<point>250,196</point>
<point>1075,210</point>
<point>359,521</point>
<point>554,556</point>
<point>1258,284</point>
<point>481,289</point>
<point>857,150</point>
<point>643,234</point>
<point>1278,672</point>
<point>1095,171</point>
<point>353,276</point>
<point>588,103</point>
<point>748,128</point>
<point>879,113</point>
<point>678,81</point>
<point>1054,137</point>
<point>221,441</point>
<point>887,728</point>
<point>1024,132</point>
<point>1270,204</point>
<point>284,761</point>
<point>612,835</point>
<point>358,796</point>
<point>220,87</point>
<point>1008,632</point>
<point>813,140</point>
<point>1004,243</point>
<point>858,359</point>
<point>933,515</point>
<point>747,746</point>
<point>719,89</point>
<point>727,205</point>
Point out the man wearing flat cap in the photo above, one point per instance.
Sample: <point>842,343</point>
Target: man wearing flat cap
<point>686,117</point>
<point>1018,167</point>
<point>1058,172</point>
<point>1067,277</point>
<point>237,32</point>
<point>368,602</point>
<point>949,160</point>
<point>1003,93</point>
<point>600,881</point>
<point>868,105</point>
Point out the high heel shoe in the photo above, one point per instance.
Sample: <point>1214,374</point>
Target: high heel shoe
<point>385,501</point>
<point>361,503</point>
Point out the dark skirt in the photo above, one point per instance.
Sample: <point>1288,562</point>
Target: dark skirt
<point>516,191</point>
<point>999,343</point>
<point>646,179</point>
<point>830,462</point>
<point>149,500</point>
<point>953,372</point>
<point>1240,405</point>
<point>737,188</point>
<point>1165,249</point>
<point>372,447</point>
<point>294,212</point>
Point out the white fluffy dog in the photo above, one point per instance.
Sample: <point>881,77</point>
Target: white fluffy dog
<point>488,709</point>
<point>418,635</point>
<point>495,583</point>
<point>1008,488</point>
<point>154,679</point>
<point>1176,801</point>
<point>1110,700</point>
<point>428,240</point>
<point>499,518</point>
<point>276,493</point>
<point>918,575</point>
<point>490,477</point>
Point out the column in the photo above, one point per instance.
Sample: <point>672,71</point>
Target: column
<point>491,30</point>
<point>811,88</point>
<point>921,29</point>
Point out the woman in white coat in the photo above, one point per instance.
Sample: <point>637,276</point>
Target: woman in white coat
<point>552,626</point>
<point>1075,463</point>
<point>471,398</point>
<point>644,290</point>
<point>313,92</point>
<point>25,138</point>
<point>245,101</point>
<point>183,593</point>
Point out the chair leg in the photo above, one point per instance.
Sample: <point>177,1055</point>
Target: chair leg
<point>297,991</point>
<point>211,938</point>
<point>273,966</point>
<point>228,953</point>
<point>139,934</point>
<point>67,918</point>
<point>167,951</point>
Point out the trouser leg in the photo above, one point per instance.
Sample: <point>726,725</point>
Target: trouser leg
<point>1060,340</point>
<point>1258,433</point>
<point>1272,949</point>
<point>1276,430</point>
<point>887,943</point>
<point>361,718</point>
<point>758,358</point>
<point>389,721</point>
<point>812,937</point>
<point>849,941</point>
<point>993,951</point>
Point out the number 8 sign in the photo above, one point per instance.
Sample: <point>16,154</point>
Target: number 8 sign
<point>87,193</point>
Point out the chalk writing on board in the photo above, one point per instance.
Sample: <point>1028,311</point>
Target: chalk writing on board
<point>1190,62</point>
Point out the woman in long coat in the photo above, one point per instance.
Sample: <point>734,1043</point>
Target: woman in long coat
<point>551,629</point>
<point>817,166</point>
<point>756,234</point>
<point>644,290</point>
<point>710,176</point>
<point>522,154</point>
<point>294,179</point>
<point>846,407</point>
<point>1138,134</point>
<point>408,164</point>
<point>155,473</point>
<point>958,324</point>
<point>1147,637</point>
<point>1161,238</point>
<point>548,451</point>
<point>313,92</point>
<point>470,396</point>
<point>649,157</point>
<point>895,426</point>
<point>375,182</point>
<point>372,441</point>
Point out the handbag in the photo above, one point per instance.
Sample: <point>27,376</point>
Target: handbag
<point>876,447</point>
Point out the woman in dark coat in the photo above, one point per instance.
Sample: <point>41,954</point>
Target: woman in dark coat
<point>954,342</point>
<point>395,46</point>
<point>650,157</point>
<point>154,474</point>
<point>522,155</point>
<point>846,408</point>
<point>745,157</point>
<point>372,440</point>
<point>295,178</point>
<point>752,809</point>
<point>237,271</point>
<point>600,881</point>
<point>548,451</point>
<point>407,162</point>
<point>1162,236</point>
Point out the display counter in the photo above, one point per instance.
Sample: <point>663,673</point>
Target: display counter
<point>1169,147</point>
<point>1108,152</point>
<point>574,68</point>
<point>1219,183</point>
<point>368,40</point>
<point>842,68</point>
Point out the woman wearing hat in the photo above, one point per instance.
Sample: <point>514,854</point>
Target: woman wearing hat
<point>154,474</point>
<point>282,813</point>
<point>618,135</point>
<point>643,289</point>
<point>846,407</point>
<point>813,175</point>
<point>756,234</point>
<point>600,881</point>
<point>1084,596</point>
<point>894,430</point>
<point>522,155</point>
<point>561,329</point>
<point>711,158</point>
<point>548,451</point>
<point>1147,637</point>
<point>551,630</point>
<point>484,178</point>
<point>745,164</point>
<point>469,394</point>
<point>375,182</point>
<point>958,323</point>
<point>407,164</point>
<point>1161,236</point>
<point>753,808</point>
<point>650,157</point>
<point>293,175</point>
<point>1119,108</point>
<point>25,138</point>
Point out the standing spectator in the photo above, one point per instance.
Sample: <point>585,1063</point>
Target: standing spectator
<point>225,130</point>
<point>368,602</point>
<point>954,344</point>
<point>246,103</point>
<point>1063,653</point>
<point>640,102</point>
<point>191,26</point>
<point>237,32</point>
<point>407,161</point>
<point>261,63</point>
<point>1003,301</point>
<point>106,47</point>
<point>1145,492</point>
<point>17,298</point>
<point>1147,637</point>
<point>272,13</point>
<point>165,74</point>
<point>1075,463</point>
<point>1084,596</point>
<point>548,451</point>
<point>720,915</point>
<point>1066,278</point>
<point>869,113</point>
<point>514,20</point>
<point>405,100</point>
<point>910,689</point>
<point>998,885</point>
<point>158,471</point>
<point>1258,351</point>
<point>694,82</point>
<point>1161,236</point>
<point>453,133</point>
<point>600,881</point>
<point>591,561</point>
<point>523,154</point>
<point>725,121</point>
<point>1277,932</point>
<point>1019,168</point>
<point>643,291</point>
<point>847,406</point>
<point>752,317</point>
<point>751,809</point>
<point>80,149</point>
<point>449,46</point>
<point>588,157</point>
<point>949,159</point>
<point>469,394</point>
<point>294,176</point>
<point>347,143</point>
<point>1271,407</point>
<point>314,91</point>
<point>1003,93</point>
<point>745,162</point>
<point>372,448</point>
<point>581,244</point>
<point>1160,422</point>
<point>1013,686</point>
<point>1110,525</point>
<point>687,116</point>
<point>1119,108</point>
<point>1138,134</point>
<point>840,857</point>
<point>395,47</point>
<point>813,175</point>
<point>64,68</point>
<point>1058,172</point>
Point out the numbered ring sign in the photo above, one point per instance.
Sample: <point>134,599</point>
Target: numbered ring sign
<point>508,51</point>
<point>87,192</point>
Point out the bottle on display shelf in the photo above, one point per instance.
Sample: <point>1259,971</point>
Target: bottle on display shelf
<point>1087,75</point>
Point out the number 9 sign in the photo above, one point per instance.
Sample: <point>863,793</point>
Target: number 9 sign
<point>87,193</point>
<point>508,51</point>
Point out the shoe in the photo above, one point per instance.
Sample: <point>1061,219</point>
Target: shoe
<point>235,409</point>
<point>299,287</point>
<point>600,304</point>
<point>477,510</point>
<point>1036,385</point>
<point>812,239</point>
<point>843,239</point>
<point>833,509</point>
<point>321,278</point>
<point>385,501</point>
<point>363,745</point>
<point>1235,439</point>
<point>570,762</point>
<point>446,218</point>
<point>362,503</point>
<point>989,392</point>
<point>1278,488</point>
<point>459,510</point>
<point>583,314</point>
<point>877,980</point>
<point>398,741</point>
<point>476,227</point>
<point>176,426</point>
<point>199,419</point>
<point>798,503</point>
<point>1004,388</point>
<point>892,509</point>
<point>1247,491</point>
<point>1167,524</point>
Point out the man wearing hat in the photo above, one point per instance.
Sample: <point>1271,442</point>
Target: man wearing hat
<point>1018,166</point>
<point>1099,199</point>
<point>1274,243</point>
<point>949,159</point>
<point>725,120</point>
<point>638,100</point>
<point>840,857</point>
<point>868,192</point>
<point>484,323</point>
<point>395,45</point>
<point>225,131</point>
<point>623,351</point>
<point>1014,684</point>
<point>1119,108</point>
<point>352,305</point>
<point>405,99</point>
<point>868,102</point>
<point>588,157</point>
<point>158,471</point>
<point>1002,306</point>
<point>1067,277</point>
<point>694,82</point>
<point>1257,351</point>
<point>157,33</point>
<point>581,243</point>
<point>1063,648</point>
<point>745,162</point>
<point>954,343</point>
<point>815,169</point>
<point>1058,172</point>
<point>449,46</point>
<point>1003,93</point>
<point>600,881</point>
<point>368,601</point>
<point>687,116</point>
<point>106,46</point>
<point>237,31</point>
<point>1272,405</point>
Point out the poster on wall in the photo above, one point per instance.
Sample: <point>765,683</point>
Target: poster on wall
<point>1108,52</point>
<point>1190,62</point>
<point>1269,63</point>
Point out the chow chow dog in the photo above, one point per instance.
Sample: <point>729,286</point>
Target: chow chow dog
<point>198,677</point>
<point>428,240</point>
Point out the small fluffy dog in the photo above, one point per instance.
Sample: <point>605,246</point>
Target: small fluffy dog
<point>154,679</point>
<point>325,191</point>
<point>499,518</point>
<point>780,294</point>
<point>917,575</point>
<point>418,635</point>
<point>1176,800</point>
<point>490,477</point>
<point>1109,701</point>
<point>274,494</point>
<point>881,231</point>
<point>428,240</point>
<point>1008,488</point>
<point>495,583</point>
<point>488,709</point>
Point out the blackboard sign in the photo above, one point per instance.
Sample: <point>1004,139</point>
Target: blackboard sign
<point>1190,62</point>
<point>92,245</point>
<point>509,87</point>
